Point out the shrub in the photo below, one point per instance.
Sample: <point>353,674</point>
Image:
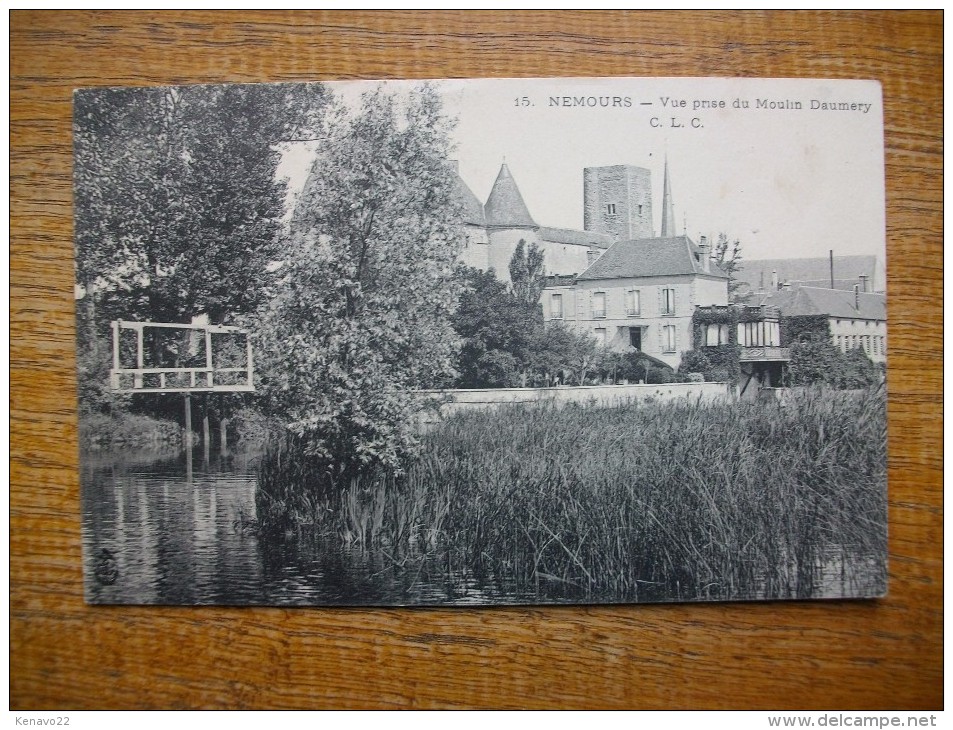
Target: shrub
<point>103,431</point>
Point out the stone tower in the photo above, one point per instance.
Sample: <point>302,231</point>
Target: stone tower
<point>668,207</point>
<point>508,221</point>
<point>618,201</point>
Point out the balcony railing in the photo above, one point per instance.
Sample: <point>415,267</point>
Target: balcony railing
<point>765,354</point>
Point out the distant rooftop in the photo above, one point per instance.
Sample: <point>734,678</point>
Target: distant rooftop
<point>832,302</point>
<point>814,271</point>
<point>581,238</point>
<point>472,207</point>
<point>651,257</point>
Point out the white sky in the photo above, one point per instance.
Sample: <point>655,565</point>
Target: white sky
<point>787,183</point>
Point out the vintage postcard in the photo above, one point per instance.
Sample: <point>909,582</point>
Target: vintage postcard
<point>511,341</point>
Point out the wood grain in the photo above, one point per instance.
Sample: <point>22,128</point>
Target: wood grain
<point>64,654</point>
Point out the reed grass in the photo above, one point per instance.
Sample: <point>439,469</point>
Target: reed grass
<point>674,501</point>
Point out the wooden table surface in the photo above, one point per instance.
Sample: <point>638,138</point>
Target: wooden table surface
<point>865,654</point>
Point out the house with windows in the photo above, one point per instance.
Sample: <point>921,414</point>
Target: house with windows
<point>744,337</point>
<point>641,294</point>
<point>857,319</point>
<point>629,288</point>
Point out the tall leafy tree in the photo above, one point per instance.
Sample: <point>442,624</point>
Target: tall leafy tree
<point>362,315</point>
<point>178,207</point>
<point>500,333</point>
<point>178,210</point>
<point>526,272</point>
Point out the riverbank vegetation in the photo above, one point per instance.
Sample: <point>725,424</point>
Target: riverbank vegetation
<point>642,502</point>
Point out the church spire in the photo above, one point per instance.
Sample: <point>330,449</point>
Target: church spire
<point>668,210</point>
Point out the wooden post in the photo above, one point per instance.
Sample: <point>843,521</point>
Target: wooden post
<point>139,358</point>
<point>205,429</point>
<point>114,375</point>
<point>188,436</point>
<point>208,358</point>
<point>250,361</point>
<point>188,421</point>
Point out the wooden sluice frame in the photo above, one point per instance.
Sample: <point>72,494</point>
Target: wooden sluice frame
<point>196,375</point>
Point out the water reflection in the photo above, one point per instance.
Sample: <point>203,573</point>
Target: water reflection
<point>151,535</point>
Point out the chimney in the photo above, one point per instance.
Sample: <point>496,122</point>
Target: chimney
<point>704,251</point>
<point>774,280</point>
<point>857,297</point>
<point>863,282</point>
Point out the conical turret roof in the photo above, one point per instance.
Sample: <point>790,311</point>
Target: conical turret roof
<point>505,207</point>
<point>472,207</point>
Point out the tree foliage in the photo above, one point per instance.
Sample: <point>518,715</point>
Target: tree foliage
<point>500,333</point>
<point>727,255</point>
<point>819,362</point>
<point>527,273</point>
<point>506,344</point>
<point>362,314</point>
<point>178,208</point>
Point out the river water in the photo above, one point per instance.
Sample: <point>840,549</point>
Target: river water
<point>154,535</point>
<point>151,535</point>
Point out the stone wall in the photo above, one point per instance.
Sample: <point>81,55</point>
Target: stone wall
<point>456,401</point>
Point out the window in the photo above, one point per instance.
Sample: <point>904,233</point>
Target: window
<point>599,305</point>
<point>640,210</point>
<point>749,334</point>
<point>633,303</point>
<point>716,334</point>
<point>883,345</point>
<point>635,337</point>
<point>556,306</point>
<point>837,341</point>
<point>610,209</point>
<point>760,334</point>
<point>668,338</point>
<point>601,336</point>
<point>668,301</point>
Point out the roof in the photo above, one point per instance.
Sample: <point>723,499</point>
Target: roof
<point>505,207</point>
<point>581,238</point>
<point>832,302</point>
<point>650,257</point>
<point>847,270</point>
<point>472,207</point>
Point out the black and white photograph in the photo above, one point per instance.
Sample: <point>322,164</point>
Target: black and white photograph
<point>482,341</point>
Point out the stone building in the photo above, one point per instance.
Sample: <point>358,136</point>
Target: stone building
<point>618,206</point>
<point>641,294</point>
<point>857,319</point>
<point>615,279</point>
